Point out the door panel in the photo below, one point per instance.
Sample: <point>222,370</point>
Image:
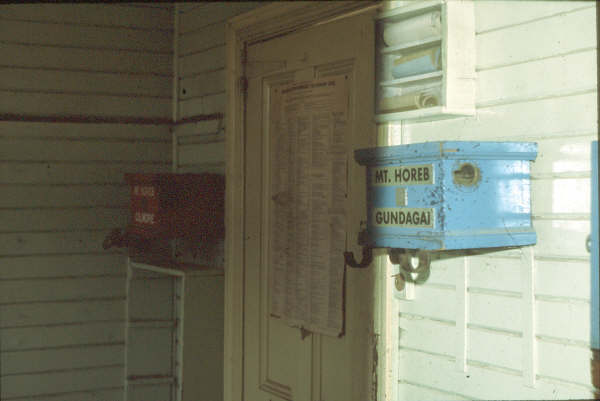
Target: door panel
<point>278,363</point>
<point>274,352</point>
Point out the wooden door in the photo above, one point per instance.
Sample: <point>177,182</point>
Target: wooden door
<point>278,363</point>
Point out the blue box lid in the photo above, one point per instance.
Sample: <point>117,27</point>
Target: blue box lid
<point>446,150</point>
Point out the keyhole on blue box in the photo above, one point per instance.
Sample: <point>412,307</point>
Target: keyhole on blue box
<point>467,174</point>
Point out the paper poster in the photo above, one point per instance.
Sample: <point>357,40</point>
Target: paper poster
<point>308,154</point>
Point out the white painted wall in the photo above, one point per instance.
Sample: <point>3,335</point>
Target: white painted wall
<point>523,315</point>
<point>61,295</point>
<point>200,147</point>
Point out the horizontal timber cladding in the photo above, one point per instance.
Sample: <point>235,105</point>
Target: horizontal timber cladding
<point>46,313</point>
<point>81,36</point>
<point>84,82</point>
<point>534,83</point>
<point>48,103</point>
<point>201,83</point>
<point>61,289</point>
<point>59,266</point>
<point>117,61</point>
<point>158,19</point>
<point>64,335</point>
<point>496,48</point>
<point>62,382</point>
<point>47,196</point>
<point>97,394</point>
<point>19,362</point>
<point>210,83</point>
<point>85,96</point>
<point>196,17</point>
<point>24,149</point>
<point>80,173</point>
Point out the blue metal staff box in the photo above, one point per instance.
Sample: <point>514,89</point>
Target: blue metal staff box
<point>449,195</point>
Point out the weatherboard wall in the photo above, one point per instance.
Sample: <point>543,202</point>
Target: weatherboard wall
<point>61,295</point>
<point>514,324</point>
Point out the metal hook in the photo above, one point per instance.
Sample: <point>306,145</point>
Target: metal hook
<point>367,258</point>
<point>405,259</point>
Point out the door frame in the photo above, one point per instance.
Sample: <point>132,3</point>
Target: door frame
<point>263,23</point>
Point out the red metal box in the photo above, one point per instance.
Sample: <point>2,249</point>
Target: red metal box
<point>167,206</point>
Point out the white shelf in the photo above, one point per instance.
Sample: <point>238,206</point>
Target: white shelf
<point>410,10</point>
<point>455,79</point>
<point>156,310</point>
<point>426,114</point>
<point>400,49</point>
<point>398,83</point>
<point>177,269</point>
